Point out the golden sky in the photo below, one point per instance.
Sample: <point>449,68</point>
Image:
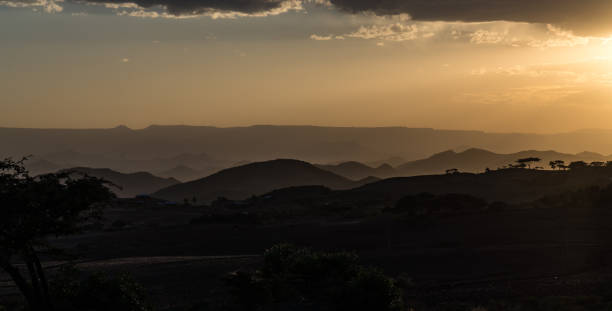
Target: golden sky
<point>496,65</point>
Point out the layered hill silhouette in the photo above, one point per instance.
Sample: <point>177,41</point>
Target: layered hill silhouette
<point>41,166</point>
<point>185,166</point>
<point>182,173</point>
<point>255,179</point>
<point>357,171</point>
<point>132,184</point>
<point>507,185</point>
<point>472,160</point>
<point>478,160</point>
<point>112,147</point>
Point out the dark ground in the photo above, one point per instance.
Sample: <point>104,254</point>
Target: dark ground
<point>470,257</point>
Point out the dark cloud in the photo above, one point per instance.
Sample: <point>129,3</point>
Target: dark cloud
<point>183,7</point>
<point>586,17</point>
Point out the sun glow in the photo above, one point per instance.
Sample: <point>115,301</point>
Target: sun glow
<point>607,47</point>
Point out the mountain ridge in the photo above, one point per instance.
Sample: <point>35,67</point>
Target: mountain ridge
<point>314,144</point>
<point>131,184</point>
<point>256,178</point>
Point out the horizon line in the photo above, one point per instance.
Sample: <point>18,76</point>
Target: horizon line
<point>125,127</point>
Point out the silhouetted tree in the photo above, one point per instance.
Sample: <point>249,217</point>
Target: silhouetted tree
<point>577,165</point>
<point>452,171</point>
<point>528,161</point>
<point>35,208</point>
<point>519,165</point>
<point>560,164</point>
<point>597,164</point>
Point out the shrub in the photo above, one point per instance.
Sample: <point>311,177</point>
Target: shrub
<point>293,278</point>
<point>71,290</point>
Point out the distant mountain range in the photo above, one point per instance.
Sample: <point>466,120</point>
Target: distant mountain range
<point>478,160</point>
<point>131,184</point>
<point>357,171</point>
<point>187,166</point>
<point>471,160</point>
<point>255,179</point>
<point>37,167</point>
<point>159,148</point>
<point>182,173</point>
<point>260,177</point>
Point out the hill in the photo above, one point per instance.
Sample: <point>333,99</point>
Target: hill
<point>204,164</point>
<point>41,166</point>
<point>478,160</point>
<point>258,143</point>
<point>508,185</point>
<point>182,173</point>
<point>471,160</point>
<point>357,171</point>
<point>132,184</point>
<point>255,179</point>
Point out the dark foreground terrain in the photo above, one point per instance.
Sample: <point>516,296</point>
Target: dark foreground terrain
<point>463,260</point>
<point>513,239</point>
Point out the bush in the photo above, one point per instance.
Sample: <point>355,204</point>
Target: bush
<point>370,289</point>
<point>71,290</point>
<point>294,278</point>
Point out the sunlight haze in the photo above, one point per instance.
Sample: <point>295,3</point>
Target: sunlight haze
<point>71,65</point>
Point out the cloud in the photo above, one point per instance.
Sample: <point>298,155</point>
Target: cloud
<point>200,7</point>
<point>590,71</point>
<point>483,36</point>
<point>392,32</point>
<point>584,17</point>
<point>560,38</point>
<point>183,9</point>
<point>320,38</point>
<point>177,8</point>
<point>396,32</point>
<point>49,6</point>
<point>509,34</point>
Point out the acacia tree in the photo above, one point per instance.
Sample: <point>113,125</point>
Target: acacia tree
<point>33,209</point>
<point>528,161</point>
<point>557,164</point>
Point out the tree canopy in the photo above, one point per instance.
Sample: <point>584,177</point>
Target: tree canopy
<point>528,161</point>
<point>32,210</point>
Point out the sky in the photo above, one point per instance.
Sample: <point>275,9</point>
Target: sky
<point>494,65</point>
